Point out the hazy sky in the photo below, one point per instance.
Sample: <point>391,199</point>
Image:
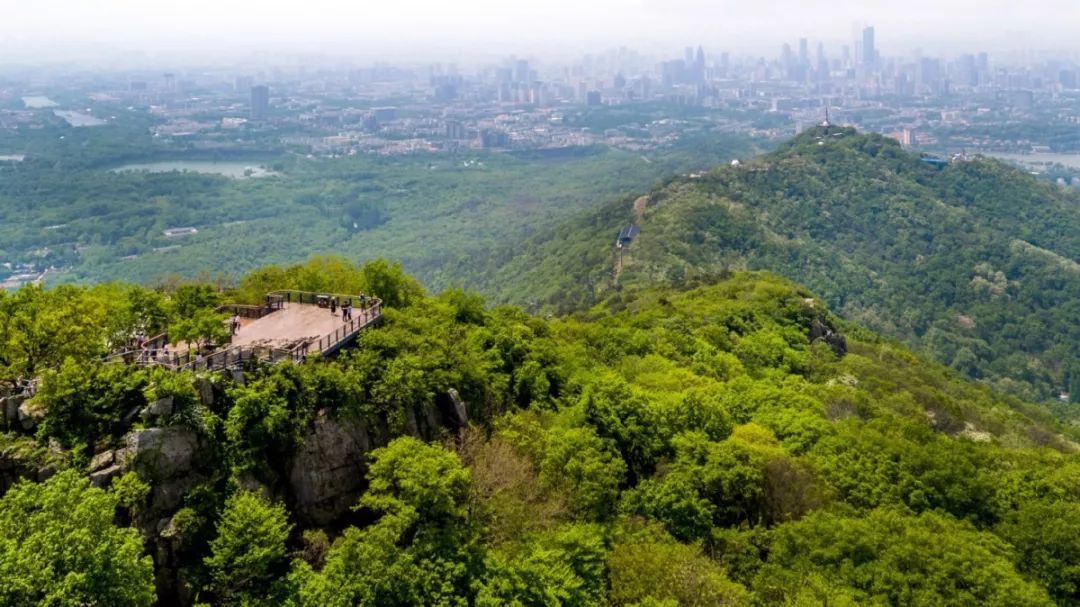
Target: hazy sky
<point>463,28</point>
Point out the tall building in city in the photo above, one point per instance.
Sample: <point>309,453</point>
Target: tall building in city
<point>804,52</point>
<point>821,64</point>
<point>869,51</point>
<point>699,66</point>
<point>521,70</point>
<point>787,57</point>
<point>260,102</point>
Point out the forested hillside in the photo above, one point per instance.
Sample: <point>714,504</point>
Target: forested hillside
<point>973,262</point>
<point>716,442</point>
<point>74,206</point>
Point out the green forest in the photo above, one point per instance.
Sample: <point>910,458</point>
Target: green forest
<point>972,262</point>
<point>717,439</point>
<point>66,206</point>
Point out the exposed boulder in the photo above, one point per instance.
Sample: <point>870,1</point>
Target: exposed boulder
<point>30,414</point>
<point>169,459</point>
<point>9,409</point>
<point>102,461</point>
<point>326,476</point>
<point>102,478</point>
<point>162,407</point>
<point>454,410</point>
<point>820,329</point>
<point>160,453</point>
<point>205,388</point>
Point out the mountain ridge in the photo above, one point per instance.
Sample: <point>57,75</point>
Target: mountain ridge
<point>903,245</point>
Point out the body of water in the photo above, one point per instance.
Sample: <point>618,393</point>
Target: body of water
<point>78,118</point>
<point>35,102</point>
<point>1041,159</point>
<point>237,169</point>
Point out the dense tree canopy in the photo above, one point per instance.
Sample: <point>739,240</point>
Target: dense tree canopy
<point>713,443</point>
<point>58,546</point>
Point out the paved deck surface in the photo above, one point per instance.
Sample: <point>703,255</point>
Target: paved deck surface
<point>294,322</point>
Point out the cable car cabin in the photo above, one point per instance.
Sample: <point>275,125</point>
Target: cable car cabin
<point>627,234</point>
<point>934,161</point>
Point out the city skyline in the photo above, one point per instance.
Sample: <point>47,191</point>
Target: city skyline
<point>49,30</point>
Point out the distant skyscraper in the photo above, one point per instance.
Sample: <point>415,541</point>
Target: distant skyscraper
<point>928,77</point>
<point>787,57</point>
<point>822,67</point>
<point>521,70</point>
<point>260,102</point>
<point>804,52</point>
<point>869,51</point>
<point>965,72</point>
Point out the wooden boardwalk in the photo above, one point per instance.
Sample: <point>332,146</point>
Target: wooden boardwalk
<point>290,326</point>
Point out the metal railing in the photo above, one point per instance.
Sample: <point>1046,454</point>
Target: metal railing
<point>333,341</point>
<point>246,311</point>
<point>367,311</point>
<point>359,301</point>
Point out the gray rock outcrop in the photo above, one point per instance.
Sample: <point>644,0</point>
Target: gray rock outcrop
<point>326,476</point>
<point>167,458</point>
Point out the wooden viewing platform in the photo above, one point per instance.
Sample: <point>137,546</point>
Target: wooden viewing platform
<point>291,325</point>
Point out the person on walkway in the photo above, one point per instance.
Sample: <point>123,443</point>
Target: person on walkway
<point>333,306</point>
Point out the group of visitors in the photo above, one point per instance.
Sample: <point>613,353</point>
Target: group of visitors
<point>149,350</point>
<point>347,307</point>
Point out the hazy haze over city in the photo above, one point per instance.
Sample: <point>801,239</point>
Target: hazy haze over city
<point>425,29</point>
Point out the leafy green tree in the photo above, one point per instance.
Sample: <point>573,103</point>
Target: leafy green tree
<point>699,410</point>
<point>130,491</point>
<point>133,310</point>
<point>893,558</point>
<point>1046,535</point>
<point>84,402</point>
<point>587,468</point>
<point>43,327</point>
<point>190,299</point>
<point>269,418</point>
<point>202,328</point>
<point>421,551</point>
<point>248,558</point>
<point>648,564</point>
<point>388,282</point>
<point>58,546</point>
<point>564,567</point>
<point>726,483</point>
<point>625,416</point>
